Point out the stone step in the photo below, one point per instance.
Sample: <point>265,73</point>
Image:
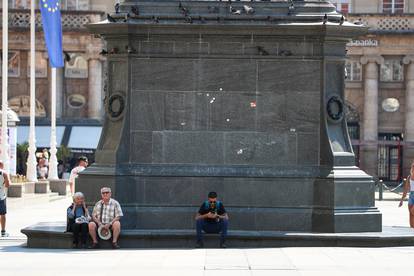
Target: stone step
<point>53,235</point>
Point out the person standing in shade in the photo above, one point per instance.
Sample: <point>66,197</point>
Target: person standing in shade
<point>409,188</point>
<point>212,218</point>
<point>106,213</point>
<point>82,164</point>
<point>4,184</point>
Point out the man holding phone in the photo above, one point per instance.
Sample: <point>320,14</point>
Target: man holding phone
<point>212,218</point>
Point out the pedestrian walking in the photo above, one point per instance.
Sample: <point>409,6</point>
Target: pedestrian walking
<point>82,164</point>
<point>4,184</point>
<point>409,188</point>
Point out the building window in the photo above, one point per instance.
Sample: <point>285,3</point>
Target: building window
<point>14,64</point>
<point>342,6</point>
<point>76,67</point>
<point>78,5</point>
<point>353,70</point>
<point>393,6</point>
<point>21,4</point>
<point>392,70</point>
<point>389,156</point>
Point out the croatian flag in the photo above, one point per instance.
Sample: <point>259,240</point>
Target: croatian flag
<point>52,27</point>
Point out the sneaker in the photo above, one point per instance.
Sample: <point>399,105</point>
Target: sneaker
<point>94,245</point>
<point>199,244</point>
<point>223,245</point>
<point>84,246</point>
<point>75,245</point>
<point>115,245</point>
<point>4,234</point>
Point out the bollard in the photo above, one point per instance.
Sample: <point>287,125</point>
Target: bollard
<point>380,189</point>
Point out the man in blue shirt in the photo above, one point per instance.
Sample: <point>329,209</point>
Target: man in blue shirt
<point>212,218</point>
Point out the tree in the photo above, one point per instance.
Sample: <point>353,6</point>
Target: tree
<point>22,154</point>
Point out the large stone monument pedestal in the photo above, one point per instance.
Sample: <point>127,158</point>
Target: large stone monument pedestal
<point>200,98</point>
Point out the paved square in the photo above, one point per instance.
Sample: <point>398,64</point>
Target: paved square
<point>15,259</point>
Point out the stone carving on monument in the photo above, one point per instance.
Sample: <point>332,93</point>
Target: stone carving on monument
<point>248,102</point>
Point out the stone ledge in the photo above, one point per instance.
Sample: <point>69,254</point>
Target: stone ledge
<point>19,189</point>
<point>60,186</point>
<point>52,235</point>
<point>42,187</point>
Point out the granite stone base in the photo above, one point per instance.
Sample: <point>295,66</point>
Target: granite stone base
<point>42,187</point>
<point>19,189</point>
<point>60,186</point>
<point>52,235</point>
<point>278,200</point>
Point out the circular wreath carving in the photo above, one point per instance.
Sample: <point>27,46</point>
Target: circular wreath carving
<point>335,109</point>
<point>116,106</point>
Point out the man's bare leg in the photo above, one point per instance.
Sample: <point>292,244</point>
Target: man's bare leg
<point>92,231</point>
<point>116,228</point>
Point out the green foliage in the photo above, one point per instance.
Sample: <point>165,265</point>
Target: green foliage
<point>63,153</point>
<point>22,154</point>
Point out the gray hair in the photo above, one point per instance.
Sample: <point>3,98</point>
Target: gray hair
<point>78,195</point>
<point>105,189</point>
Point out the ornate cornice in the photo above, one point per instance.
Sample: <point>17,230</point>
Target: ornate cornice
<point>371,59</point>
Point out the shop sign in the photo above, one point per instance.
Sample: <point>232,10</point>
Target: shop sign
<point>363,43</point>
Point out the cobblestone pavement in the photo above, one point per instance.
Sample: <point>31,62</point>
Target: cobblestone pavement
<point>15,259</point>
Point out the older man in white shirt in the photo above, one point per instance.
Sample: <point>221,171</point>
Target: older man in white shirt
<point>106,213</point>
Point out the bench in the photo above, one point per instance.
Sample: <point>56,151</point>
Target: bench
<point>53,235</point>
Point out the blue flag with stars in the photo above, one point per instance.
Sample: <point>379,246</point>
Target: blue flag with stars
<point>52,28</point>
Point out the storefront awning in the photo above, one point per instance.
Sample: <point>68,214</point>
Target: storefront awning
<point>84,137</point>
<point>42,135</point>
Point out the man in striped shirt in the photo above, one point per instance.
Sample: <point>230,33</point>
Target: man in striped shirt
<point>107,213</point>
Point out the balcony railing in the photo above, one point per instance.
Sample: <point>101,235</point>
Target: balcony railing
<point>71,20</point>
<point>385,23</point>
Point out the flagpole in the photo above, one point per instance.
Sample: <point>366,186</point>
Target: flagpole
<point>5,76</point>
<point>52,28</point>
<point>31,173</point>
<point>53,150</point>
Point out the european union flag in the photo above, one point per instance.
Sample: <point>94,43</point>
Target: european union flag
<point>52,27</point>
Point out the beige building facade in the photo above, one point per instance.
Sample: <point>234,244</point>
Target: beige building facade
<point>80,83</point>
<point>379,87</point>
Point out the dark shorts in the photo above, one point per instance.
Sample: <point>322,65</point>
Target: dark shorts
<point>3,207</point>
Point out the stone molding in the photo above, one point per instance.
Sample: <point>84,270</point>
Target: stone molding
<point>408,59</point>
<point>372,58</point>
